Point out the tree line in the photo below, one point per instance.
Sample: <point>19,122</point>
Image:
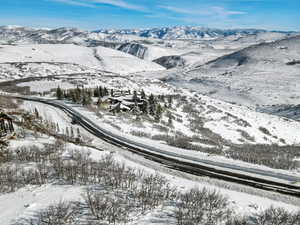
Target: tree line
<point>150,105</point>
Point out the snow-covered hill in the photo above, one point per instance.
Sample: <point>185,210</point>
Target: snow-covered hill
<point>267,73</point>
<point>63,35</point>
<point>195,44</point>
<point>98,58</point>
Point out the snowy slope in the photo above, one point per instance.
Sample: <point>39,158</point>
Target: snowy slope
<point>265,74</point>
<point>97,58</point>
<point>147,52</point>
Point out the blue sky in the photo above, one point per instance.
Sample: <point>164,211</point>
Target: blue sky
<point>96,14</point>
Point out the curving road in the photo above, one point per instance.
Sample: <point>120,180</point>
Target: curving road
<point>258,178</point>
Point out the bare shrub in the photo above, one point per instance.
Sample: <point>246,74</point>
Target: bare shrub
<point>161,128</point>
<point>245,135</point>
<point>62,213</point>
<point>180,141</point>
<point>201,207</point>
<point>140,134</point>
<point>213,151</point>
<point>271,216</point>
<point>109,208</point>
<point>153,191</point>
<point>8,103</point>
<point>274,156</point>
<point>161,137</point>
<point>265,131</point>
<point>189,108</point>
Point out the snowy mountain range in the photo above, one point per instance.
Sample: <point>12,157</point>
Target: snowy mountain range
<point>185,32</point>
<point>18,34</point>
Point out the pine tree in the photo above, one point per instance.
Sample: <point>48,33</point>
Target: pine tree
<point>36,112</point>
<point>57,128</point>
<point>96,92</point>
<point>59,93</point>
<point>158,113</point>
<point>105,91</point>
<point>170,119</point>
<point>135,97</point>
<point>144,107</point>
<point>112,92</point>
<point>101,91</point>
<point>84,99</point>
<point>72,132</point>
<point>170,101</point>
<point>152,103</point>
<point>78,132</point>
<point>143,95</point>
<point>77,94</point>
<point>152,99</point>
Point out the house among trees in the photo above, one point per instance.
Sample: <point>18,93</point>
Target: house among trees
<point>126,103</point>
<point>6,124</point>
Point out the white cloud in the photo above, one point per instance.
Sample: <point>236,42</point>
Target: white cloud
<point>93,3</point>
<point>120,3</point>
<point>76,3</point>
<point>223,12</point>
<point>209,11</point>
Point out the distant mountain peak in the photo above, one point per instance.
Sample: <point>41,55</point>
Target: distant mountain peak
<point>183,32</point>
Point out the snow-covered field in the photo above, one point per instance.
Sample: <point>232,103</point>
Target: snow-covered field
<point>263,74</point>
<point>98,58</point>
<point>26,202</point>
<point>259,74</point>
<point>225,119</point>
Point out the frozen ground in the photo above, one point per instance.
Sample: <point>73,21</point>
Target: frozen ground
<point>25,202</point>
<point>264,78</point>
<point>263,74</point>
<point>98,58</point>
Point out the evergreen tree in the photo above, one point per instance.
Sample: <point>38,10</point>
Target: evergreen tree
<point>144,107</point>
<point>36,112</point>
<point>143,95</point>
<point>77,94</point>
<point>59,93</point>
<point>170,101</point>
<point>78,132</point>
<point>105,91</point>
<point>72,132</point>
<point>57,128</point>
<point>135,97</point>
<point>101,94</point>
<point>96,92</point>
<point>158,113</point>
<point>112,92</point>
<point>152,103</point>
<point>86,99</point>
<point>73,96</point>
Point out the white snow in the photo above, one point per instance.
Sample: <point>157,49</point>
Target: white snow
<point>96,58</point>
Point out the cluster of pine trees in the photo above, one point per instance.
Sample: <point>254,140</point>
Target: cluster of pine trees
<point>82,95</point>
<point>153,105</point>
<point>147,105</point>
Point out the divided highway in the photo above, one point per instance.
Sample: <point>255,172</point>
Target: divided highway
<point>258,178</point>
